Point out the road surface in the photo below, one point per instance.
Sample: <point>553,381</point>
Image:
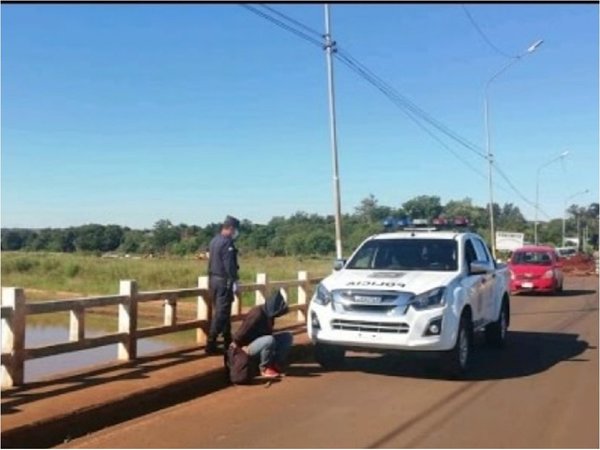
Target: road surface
<point>541,391</point>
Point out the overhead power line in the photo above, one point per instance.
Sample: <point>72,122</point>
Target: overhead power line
<point>483,35</point>
<point>293,21</point>
<point>517,191</point>
<point>403,102</point>
<point>414,112</point>
<point>283,25</point>
<point>390,95</point>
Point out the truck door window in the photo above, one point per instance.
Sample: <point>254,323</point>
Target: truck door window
<point>470,254</point>
<point>481,251</point>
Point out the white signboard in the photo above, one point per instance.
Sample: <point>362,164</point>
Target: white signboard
<point>509,241</point>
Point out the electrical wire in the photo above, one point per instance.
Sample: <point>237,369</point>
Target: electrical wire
<point>410,109</point>
<point>483,35</point>
<point>408,113</point>
<point>403,102</point>
<point>518,192</point>
<point>292,20</point>
<point>283,25</point>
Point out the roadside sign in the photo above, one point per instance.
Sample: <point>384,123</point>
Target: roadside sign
<point>509,241</point>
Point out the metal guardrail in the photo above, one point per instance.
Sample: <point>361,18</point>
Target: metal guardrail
<point>15,310</point>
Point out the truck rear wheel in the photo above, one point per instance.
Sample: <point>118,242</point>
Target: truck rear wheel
<point>329,356</point>
<point>495,333</point>
<point>456,362</point>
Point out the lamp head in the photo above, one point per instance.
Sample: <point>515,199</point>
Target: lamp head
<point>533,47</point>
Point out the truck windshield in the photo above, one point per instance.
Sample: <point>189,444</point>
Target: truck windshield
<point>406,254</point>
<point>533,258</point>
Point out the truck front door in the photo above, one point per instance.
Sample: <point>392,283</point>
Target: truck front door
<point>488,281</point>
<point>473,284</point>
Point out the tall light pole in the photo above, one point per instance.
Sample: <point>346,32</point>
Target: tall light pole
<point>490,157</point>
<point>329,49</point>
<point>537,191</point>
<point>565,212</point>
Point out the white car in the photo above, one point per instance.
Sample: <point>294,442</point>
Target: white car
<point>418,291</point>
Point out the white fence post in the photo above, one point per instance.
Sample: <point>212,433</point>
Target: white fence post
<point>170,312</point>
<point>204,311</point>
<point>128,320</point>
<point>302,294</point>
<point>77,324</point>
<point>284,294</point>
<point>236,306</point>
<point>261,291</point>
<point>13,337</point>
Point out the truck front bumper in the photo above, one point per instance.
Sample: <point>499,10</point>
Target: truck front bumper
<point>411,331</point>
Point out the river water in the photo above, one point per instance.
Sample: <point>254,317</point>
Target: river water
<point>42,334</point>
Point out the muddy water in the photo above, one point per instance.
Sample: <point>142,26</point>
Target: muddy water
<point>55,331</point>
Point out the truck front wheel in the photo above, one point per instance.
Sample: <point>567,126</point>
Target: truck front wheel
<point>456,361</point>
<point>329,356</point>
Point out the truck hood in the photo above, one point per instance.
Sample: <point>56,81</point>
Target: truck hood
<point>416,282</point>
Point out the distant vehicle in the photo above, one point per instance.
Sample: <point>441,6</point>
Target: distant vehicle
<point>535,268</point>
<point>422,291</point>
<point>566,252</point>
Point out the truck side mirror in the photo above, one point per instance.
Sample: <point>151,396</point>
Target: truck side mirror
<point>339,264</point>
<point>478,268</point>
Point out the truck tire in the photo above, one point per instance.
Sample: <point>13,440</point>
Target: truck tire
<point>329,356</point>
<point>495,333</point>
<point>456,362</point>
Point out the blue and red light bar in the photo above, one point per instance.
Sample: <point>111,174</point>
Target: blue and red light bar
<point>393,223</point>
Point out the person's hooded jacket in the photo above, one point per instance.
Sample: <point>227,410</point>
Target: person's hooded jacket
<point>260,320</point>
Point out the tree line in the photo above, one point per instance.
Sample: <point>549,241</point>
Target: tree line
<point>298,234</point>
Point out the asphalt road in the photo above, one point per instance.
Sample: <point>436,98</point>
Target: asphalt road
<point>541,391</point>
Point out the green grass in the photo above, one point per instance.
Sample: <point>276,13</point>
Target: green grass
<point>49,276</point>
<point>58,274</point>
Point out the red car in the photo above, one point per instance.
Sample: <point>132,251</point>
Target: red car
<point>535,268</point>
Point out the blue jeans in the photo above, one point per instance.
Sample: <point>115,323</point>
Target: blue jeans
<point>272,348</point>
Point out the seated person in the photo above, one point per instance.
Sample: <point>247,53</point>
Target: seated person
<point>255,336</point>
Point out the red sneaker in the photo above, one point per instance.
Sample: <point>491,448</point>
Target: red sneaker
<point>270,372</point>
<point>278,368</point>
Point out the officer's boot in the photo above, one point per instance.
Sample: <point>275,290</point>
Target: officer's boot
<point>227,341</point>
<point>211,346</point>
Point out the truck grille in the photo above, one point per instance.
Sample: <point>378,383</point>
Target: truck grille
<point>370,308</point>
<point>370,327</point>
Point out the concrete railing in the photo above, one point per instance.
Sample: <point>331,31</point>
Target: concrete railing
<point>15,310</point>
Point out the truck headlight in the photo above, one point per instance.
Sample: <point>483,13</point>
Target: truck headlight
<point>429,299</point>
<point>322,295</point>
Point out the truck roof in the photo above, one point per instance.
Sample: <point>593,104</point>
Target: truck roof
<point>421,234</point>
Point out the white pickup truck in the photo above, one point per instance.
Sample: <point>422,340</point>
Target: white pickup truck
<point>418,291</point>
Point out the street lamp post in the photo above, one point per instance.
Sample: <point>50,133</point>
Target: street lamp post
<point>565,212</point>
<point>490,157</point>
<point>537,191</point>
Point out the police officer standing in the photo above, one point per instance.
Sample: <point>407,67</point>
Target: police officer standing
<point>223,275</point>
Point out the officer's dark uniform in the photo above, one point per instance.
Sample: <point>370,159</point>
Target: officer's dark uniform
<point>223,272</point>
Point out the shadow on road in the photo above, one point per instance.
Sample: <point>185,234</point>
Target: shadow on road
<point>526,353</point>
<point>565,293</point>
<point>141,369</point>
<point>557,311</point>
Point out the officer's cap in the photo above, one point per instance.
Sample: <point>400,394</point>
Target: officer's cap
<point>231,221</point>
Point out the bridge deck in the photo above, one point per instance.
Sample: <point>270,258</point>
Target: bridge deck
<point>541,391</point>
<point>83,401</point>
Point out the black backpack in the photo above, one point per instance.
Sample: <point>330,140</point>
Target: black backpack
<point>237,364</point>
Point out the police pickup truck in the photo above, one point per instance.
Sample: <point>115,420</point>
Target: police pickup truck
<point>412,290</point>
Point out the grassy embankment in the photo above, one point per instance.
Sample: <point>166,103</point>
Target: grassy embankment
<point>47,276</point>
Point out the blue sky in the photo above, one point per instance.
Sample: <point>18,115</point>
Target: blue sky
<point>131,113</point>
